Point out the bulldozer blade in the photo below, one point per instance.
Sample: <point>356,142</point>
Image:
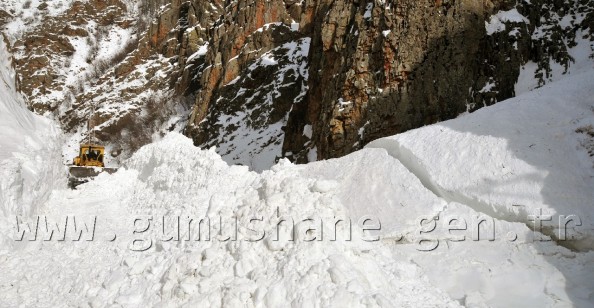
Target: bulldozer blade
<point>85,172</point>
<point>80,175</point>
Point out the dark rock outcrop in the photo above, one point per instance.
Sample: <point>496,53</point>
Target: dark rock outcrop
<point>306,80</point>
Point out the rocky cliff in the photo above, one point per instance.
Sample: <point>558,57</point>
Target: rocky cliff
<point>260,80</point>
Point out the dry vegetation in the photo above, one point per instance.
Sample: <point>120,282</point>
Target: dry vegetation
<point>139,128</point>
<point>588,141</point>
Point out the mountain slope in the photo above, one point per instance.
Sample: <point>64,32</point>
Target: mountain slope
<point>372,68</point>
<point>499,164</point>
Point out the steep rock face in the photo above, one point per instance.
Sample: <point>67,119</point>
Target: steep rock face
<point>252,71</point>
<point>261,80</point>
<point>246,120</point>
<point>50,55</point>
<point>133,94</point>
<point>385,67</point>
<point>377,68</point>
<point>368,62</point>
<point>118,63</point>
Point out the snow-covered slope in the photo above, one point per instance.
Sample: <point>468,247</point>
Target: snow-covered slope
<point>29,155</point>
<point>525,157</point>
<point>519,156</point>
<point>423,196</point>
<point>173,178</point>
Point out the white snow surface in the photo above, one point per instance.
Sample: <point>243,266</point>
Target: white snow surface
<point>496,23</point>
<point>172,177</point>
<point>512,159</point>
<point>27,14</point>
<point>29,162</point>
<point>501,163</point>
<point>581,54</point>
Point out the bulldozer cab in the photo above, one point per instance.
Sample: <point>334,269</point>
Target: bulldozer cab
<point>89,163</point>
<point>90,155</point>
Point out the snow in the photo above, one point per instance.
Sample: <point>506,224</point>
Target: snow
<point>28,14</point>
<point>115,36</point>
<point>518,154</point>
<point>368,11</point>
<point>312,154</point>
<point>268,60</point>
<point>488,87</point>
<point>441,216</point>
<point>259,146</point>
<point>72,73</point>
<point>515,159</point>
<point>582,62</point>
<point>500,163</point>
<point>201,52</point>
<point>206,273</point>
<point>308,131</point>
<point>267,26</point>
<point>497,21</point>
<point>342,105</point>
<point>361,130</point>
<point>26,140</point>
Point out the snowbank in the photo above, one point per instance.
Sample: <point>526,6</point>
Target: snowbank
<point>253,268</point>
<point>137,258</point>
<point>524,158</point>
<point>29,169</point>
<point>371,182</point>
<point>499,165</point>
<point>514,159</point>
<point>416,203</point>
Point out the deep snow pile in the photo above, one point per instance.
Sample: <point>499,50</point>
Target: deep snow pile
<point>499,164</point>
<point>29,165</point>
<point>525,157</point>
<point>430,188</point>
<point>172,178</point>
<point>517,157</point>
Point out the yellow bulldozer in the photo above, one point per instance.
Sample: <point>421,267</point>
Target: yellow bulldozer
<point>90,155</point>
<point>89,163</point>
